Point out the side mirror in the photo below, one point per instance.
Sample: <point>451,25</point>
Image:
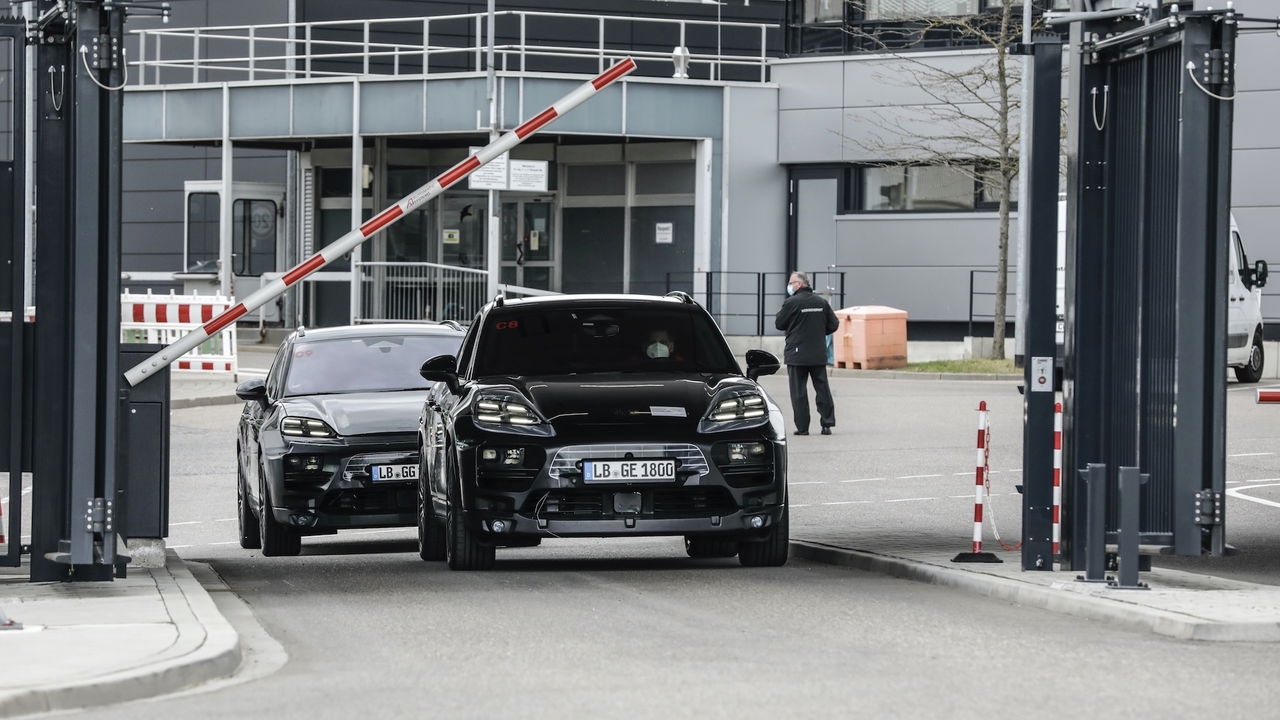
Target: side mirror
<point>442,368</point>
<point>761,362</point>
<point>251,390</point>
<point>1260,274</point>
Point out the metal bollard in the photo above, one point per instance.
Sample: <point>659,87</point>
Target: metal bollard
<point>1127,533</point>
<point>1095,561</point>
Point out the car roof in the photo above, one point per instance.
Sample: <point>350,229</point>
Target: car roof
<point>375,330</point>
<point>593,299</point>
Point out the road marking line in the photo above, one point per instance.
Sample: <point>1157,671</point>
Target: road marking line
<point>1258,454</point>
<point>810,482</point>
<point>864,480</point>
<point>178,547</point>
<point>966,495</point>
<point>1263,480</point>
<point>231,542</point>
<point>225,520</point>
<point>916,477</point>
<point>848,502</point>
<point>910,499</point>
<point>1234,482</point>
<point>189,522</point>
<point>1236,492</point>
<point>795,506</point>
<point>967,472</point>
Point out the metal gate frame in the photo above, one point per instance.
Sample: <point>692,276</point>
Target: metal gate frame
<point>1147,227</point>
<point>14,335</point>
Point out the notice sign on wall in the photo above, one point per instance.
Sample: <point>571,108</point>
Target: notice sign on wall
<point>452,237</point>
<point>663,233</point>
<point>506,174</point>
<point>489,177</point>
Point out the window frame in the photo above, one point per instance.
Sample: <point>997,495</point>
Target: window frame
<point>855,203</point>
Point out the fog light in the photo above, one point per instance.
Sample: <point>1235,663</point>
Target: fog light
<point>499,526</point>
<point>514,456</point>
<point>756,522</point>
<point>312,464</point>
<point>745,452</point>
<point>489,454</point>
<point>301,520</point>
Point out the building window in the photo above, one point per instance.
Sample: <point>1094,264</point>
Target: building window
<point>908,9</point>
<point>823,11</point>
<point>202,232</point>
<point>930,188</point>
<point>253,237</point>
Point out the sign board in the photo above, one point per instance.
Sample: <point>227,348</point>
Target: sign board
<point>489,177</point>
<point>663,233</point>
<point>1041,374</point>
<point>528,175</point>
<point>452,236</point>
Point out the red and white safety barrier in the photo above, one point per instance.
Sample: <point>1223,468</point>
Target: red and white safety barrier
<point>980,474</point>
<point>1057,477</point>
<point>1268,395</point>
<point>166,319</point>
<point>414,200</point>
<point>30,315</point>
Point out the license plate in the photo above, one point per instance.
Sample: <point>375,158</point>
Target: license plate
<point>393,473</point>
<point>625,471</point>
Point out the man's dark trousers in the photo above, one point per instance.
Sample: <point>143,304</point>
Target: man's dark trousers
<point>798,376</point>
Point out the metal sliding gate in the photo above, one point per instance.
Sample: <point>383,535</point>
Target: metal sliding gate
<point>1145,363</point>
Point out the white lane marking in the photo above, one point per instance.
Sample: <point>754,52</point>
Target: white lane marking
<point>910,499</point>
<point>915,477</point>
<point>968,495</point>
<point>795,505</point>
<point>1234,482</point>
<point>232,542</point>
<point>967,472</point>
<point>225,520</point>
<point>848,502</point>
<point>810,482</point>
<point>1263,480</point>
<point>864,480</point>
<point>1236,492</point>
<point>179,547</point>
<point>189,522</point>
<point>1250,454</point>
<point>25,491</point>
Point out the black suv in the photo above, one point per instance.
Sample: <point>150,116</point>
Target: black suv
<point>600,416</point>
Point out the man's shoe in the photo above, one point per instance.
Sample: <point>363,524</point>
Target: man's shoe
<point>802,432</point>
<point>826,431</point>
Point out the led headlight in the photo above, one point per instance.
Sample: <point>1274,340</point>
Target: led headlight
<point>509,412</point>
<point>735,411</point>
<point>306,427</point>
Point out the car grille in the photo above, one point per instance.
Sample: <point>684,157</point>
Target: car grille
<point>690,457</point>
<point>697,501</point>
<point>362,502</point>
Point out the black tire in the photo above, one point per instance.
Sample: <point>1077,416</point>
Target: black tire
<point>430,532</point>
<point>277,540</point>
<point>249,531</point>
<point>1252,372</point>
<point>709,547</point>
<point>773,550</point>
<point>463,550</point>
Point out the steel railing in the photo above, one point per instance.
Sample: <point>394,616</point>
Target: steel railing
<point>738,298</point>
<point>1010,294</point>
<point>418,292</point>
<point>446,43</point>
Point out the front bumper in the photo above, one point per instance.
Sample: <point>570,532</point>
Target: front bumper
<point>325,485</point>
<point>547,495</point>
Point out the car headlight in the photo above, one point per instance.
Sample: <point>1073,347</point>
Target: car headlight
<point>734,412</point>
<point>306,427</point>
<point>509,412</point>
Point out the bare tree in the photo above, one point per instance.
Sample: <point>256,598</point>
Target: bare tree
<point>969,118</point>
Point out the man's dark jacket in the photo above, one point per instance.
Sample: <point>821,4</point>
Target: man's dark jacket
<point>808,320</point>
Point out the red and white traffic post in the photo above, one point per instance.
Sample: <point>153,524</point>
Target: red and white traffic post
<point>1057,478</point>
<point>413,201</point>
<point>979,491</point>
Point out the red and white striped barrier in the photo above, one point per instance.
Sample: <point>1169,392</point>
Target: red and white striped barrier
<point>1057,477</point>
<point>1268,395</point>
<point>414,200</point>
<point>165,319</point>
<point>980,474</point>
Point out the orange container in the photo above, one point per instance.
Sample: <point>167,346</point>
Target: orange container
<point>871,337</point>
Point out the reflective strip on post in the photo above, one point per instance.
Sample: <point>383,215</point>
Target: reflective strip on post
<point>1057,478</point>
<point>355,237</point>
<point>980,477</point>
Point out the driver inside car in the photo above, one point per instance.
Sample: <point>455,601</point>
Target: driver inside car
<point>660,345</point>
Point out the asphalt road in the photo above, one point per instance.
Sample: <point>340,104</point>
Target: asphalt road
<point>632,627</point>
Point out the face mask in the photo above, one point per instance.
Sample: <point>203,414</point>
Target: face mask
<point>658,350</point>
<point>790,291</point>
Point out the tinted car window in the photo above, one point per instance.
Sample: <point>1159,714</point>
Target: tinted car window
<point>364,364</point>
<point>537,341</point>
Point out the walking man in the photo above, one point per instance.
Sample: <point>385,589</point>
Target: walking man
<point>807,320</point>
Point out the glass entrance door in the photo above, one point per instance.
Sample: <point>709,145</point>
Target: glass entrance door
<point>528,244</point>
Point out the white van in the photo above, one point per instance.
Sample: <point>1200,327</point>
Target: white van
<point>1244,302</point>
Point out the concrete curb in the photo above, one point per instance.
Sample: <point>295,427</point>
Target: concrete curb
<point>207,648</point>
<point>1057,599</point>
<point>905,375</point>
<point>181,403</point>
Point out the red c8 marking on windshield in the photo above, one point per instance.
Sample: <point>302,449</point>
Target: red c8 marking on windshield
<point>506,325</point>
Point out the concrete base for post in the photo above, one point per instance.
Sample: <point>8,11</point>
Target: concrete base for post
<point>146,552</point>
<point>976,557</point>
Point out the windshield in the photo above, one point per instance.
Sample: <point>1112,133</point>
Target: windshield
<point>535,341</point>
<point>364,364</point>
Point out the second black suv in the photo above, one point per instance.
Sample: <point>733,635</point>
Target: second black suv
<point>600,416</point>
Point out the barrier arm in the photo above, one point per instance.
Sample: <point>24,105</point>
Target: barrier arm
<point>408,204</point>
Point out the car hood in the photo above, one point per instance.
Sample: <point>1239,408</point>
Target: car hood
<point>625,398</point>
<point>361,413</point>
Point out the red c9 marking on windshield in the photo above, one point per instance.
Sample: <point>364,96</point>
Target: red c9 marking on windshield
<point>507,325</point>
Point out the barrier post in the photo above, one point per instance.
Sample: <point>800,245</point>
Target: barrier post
<point>1057,479</point>
<point>979,489</point>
